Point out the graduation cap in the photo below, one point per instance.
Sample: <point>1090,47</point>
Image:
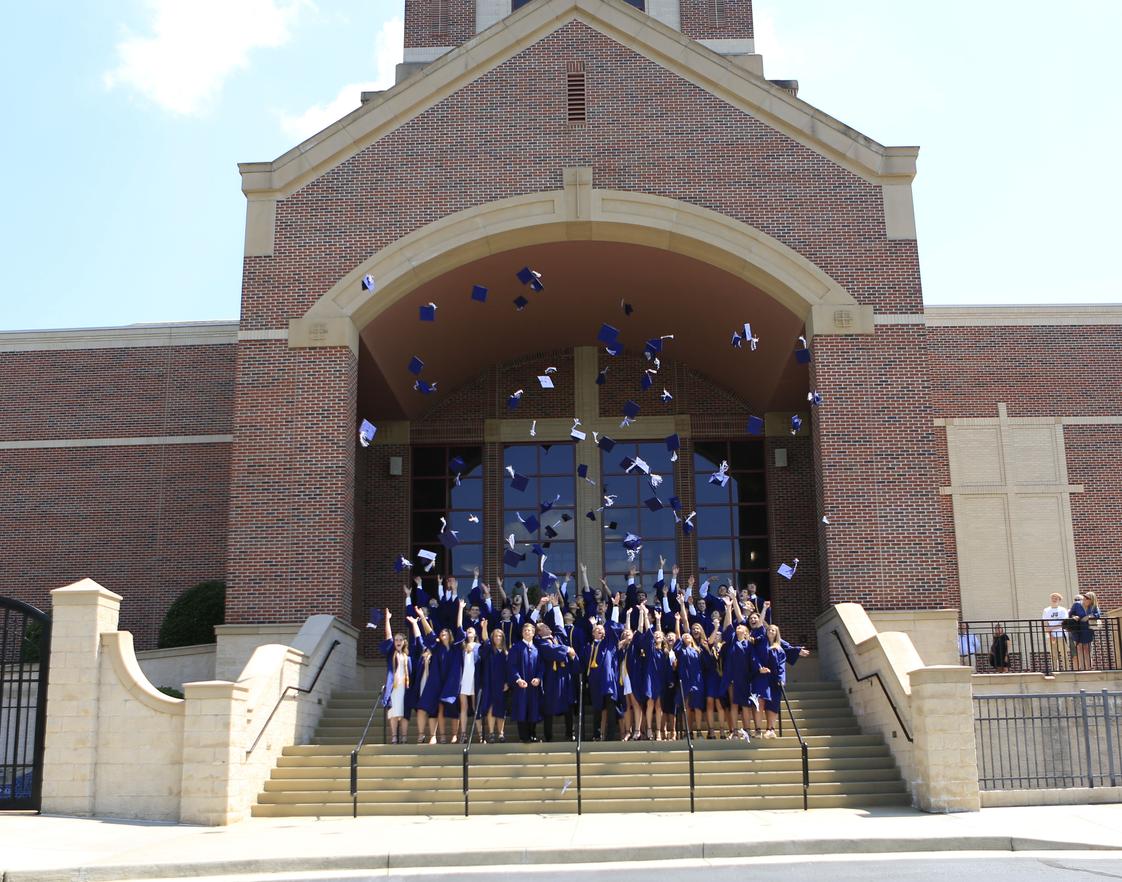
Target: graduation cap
<point>673,444</point>
<point>430,556</point>
<point>675,503</point>
<point>512,558</point>
<point>531,523</point>
<point>402,563</point>
<point>815,397</point>
<point>537,549</point>
<point>529,277</point>
<point>517,482</point>
<point>591,515</point>
<point>566,517</point>
<point>653,346</point>
<point>449,539</point>
<point>479,293</point>
<point>654,503</point>
<point>666,396</point>
<point>456,465</point>
<point>424,387</point>
<point>721,476</point>
<point>602,377</point>
<point>514,400</point>
<point>550,533</point>
<point>787,572</point>
<point>428,312</point>
<point>614,348</point>
<point>576,433</point>
<point>416,366</point>
<point>375,618</point>
<point>605,443</point>
<point>687,524</point>
<point>630,410</point>
<point>632,542</point>
<point>626,307</point>
<point>366,433</point>
<point>520,303</point>
<point>802,356</point>
<point>582,470</point>
<point>646,382</point>
<point>546,381</point>
<point>755,425</point>
<point>825,520</point>
<point>796,423</point>
<point>607,334</point>
<point>368,282</point>
<point>546,504</point>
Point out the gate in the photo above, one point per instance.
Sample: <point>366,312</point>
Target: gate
<point>25,648</point>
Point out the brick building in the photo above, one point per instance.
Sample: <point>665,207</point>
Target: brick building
<point>964,457</point>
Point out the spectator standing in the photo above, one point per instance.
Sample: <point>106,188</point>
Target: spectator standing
<point>1053,617</point>
<point>1084,611</point>
<point>999,650</point>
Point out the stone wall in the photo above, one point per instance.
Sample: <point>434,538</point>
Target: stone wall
<point>178,665</point>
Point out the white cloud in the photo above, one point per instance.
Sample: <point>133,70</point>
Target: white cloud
<point>194,46</point>
<point>387,53</point>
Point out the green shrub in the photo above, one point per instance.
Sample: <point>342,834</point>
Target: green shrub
<point>191,619</point>
<point>31,650</point>
<point>170,690</point>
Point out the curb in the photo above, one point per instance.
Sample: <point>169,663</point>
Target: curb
<point>547,857</point>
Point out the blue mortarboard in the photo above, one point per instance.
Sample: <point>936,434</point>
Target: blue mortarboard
<point>610,525</point>
<point>607,334</point>
<point>630,409</point>
<point>537,549</point>
<point>605,443</point>
<point>512,558</point>
<point>449,539</point>
<point>626,463</point>
<point>401,563</point>
<point>601,377</point>
<point>654,346</point>
<point>545,506</point>
<point>627,307</point>
<point>614,348</point>
<point>815,397</point>
<point>550,533</point>
<point>368,282</point>
<point>375,618</point>
<point>566,517</point>
<point>796,423</point>
<point>519,482</point>
<point>424,388</point>
<point>428,312</point>
<point>673,442</point>
<point>646,382</point>
<point>591,515</point>
<point>456,465</point>
<point>513,401</point>
<point>802,356</point>
<point>366,433</point>
<point>520,303</point>
<point>416,366</point>
<point>479,292</point>
<point>632,542</point>
<point>687,527</point>
<point>654,503</point>
<point>531,524</point>
<point>528,277</point>
<point>582,470</point>
<point>675,503</point>
<point>755,425</point>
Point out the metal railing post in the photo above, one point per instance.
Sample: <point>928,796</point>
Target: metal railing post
<point>580,732</point>
<point>1108,725</point>
<point>1087,736</point>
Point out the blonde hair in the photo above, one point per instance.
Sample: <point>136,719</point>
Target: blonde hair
<point>1091,602</point>
<point>778,637</point>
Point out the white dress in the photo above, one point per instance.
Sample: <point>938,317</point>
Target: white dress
<point>467,679</point>
<point>397,695</point>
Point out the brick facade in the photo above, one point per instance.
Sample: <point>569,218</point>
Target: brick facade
<point>438,22</point>
<point>716,19</point>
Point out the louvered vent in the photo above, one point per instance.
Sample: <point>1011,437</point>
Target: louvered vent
<point>441,15</point>
<point>718,12</point>
<point>578,100</point>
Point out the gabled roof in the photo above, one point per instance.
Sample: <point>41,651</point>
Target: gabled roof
<point>622,23</point>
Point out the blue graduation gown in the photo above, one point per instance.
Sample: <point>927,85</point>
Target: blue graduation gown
<point>740,664</point>
<point>557,677</point>
<point>598,662</point>
<point>493,677</point>
<point>449,665</point>
<point>692,675</point>
<point>639,664</point>
<point>525,664</point>
<point>391,662</point>
<point>428,697</point>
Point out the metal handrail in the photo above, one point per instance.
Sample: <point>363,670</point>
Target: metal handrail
<point>467,745</point>
<point>284,694</point>
<point>580,731</point>
<point>354,754</point>
<point>802,744</point>
<point>883,688</point>
<point>689,736</point>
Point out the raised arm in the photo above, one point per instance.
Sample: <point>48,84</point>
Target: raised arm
<point>584,578</point>
<point>425,626</point>
<point>389,630</point>
<point>460,615</point>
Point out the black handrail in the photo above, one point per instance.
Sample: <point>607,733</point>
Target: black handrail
<point>802,744</point>
<point>883,688</point>
<point>467,745</point>
<point>284,694</point>
<point>689,735</point>
<point>354,754</point>
<point>580,729</point>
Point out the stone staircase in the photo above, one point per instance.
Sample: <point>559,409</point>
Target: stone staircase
<point>847,769</point>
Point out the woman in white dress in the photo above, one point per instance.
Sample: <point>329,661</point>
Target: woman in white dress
<point>398,669</point>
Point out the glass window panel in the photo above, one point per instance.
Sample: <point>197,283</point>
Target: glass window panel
<point>473,460</point>
<point>468,531</point>
<point>714,521</point>
<point>707,455</point>
<point>429,494</point>
<point>562,557</point>
<point>754,554</point>
<point>749,488</point>
<point>668,548</point>
<point>715,556</point>
<point>656,524</point>
<point>625,488</point>
<point>430,461</point>
<point>465,558</point>
<point>746,455</point>
<point>524,499</point>
<point>709,494</point>
<point>511,524</point>
<point>468,495</point>
<point>753,520</point>
<point>524,458</point>
<point>658,457</point>
<point>626,520</point>
<point>551,487</point>
<point>615,560</point>
<point>426,526</point>
<point>558,459</point>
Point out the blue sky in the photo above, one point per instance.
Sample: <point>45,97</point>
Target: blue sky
<point>127,119</point>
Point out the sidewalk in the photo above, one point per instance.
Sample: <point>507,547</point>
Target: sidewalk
<point>40,848</point>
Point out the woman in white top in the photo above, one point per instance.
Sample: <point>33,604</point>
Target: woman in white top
<point>467,679</point>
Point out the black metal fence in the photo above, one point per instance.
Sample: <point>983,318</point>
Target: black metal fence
<point>1049,741</point>
<point>24,652</point>
<point>1041,647</point>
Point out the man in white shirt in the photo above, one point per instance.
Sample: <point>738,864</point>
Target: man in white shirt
<point>1054,616</point>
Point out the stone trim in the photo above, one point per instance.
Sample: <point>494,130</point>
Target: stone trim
<point>556,215</point>
<point>669,12</point>
<point>736,46</point>
<point>264,334</point>
<point>914,318</point>
<point>424,54</point>
<point>126,337</point>
<point>118,646</point>
<point>1022,315</point>
<point>635,30</point>
<point>318,330</point>
<point>48,443</point>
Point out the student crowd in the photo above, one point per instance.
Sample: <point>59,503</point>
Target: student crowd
<point>641,659</point>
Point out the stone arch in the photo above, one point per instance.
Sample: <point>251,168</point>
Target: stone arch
<point>579,212</point>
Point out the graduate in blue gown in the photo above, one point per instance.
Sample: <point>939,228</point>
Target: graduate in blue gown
<point>446,667</point>
<point>395,692</point>
<point>663,688</point>
<point>780,655</point>
<point>494,661</point>
<point>525,684</point>
<point>427,677</point>
<point>742,670</point>
<point>690,674</point>
<point>558,662</point>
<point>638,675</point>
<point>599,664</point>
